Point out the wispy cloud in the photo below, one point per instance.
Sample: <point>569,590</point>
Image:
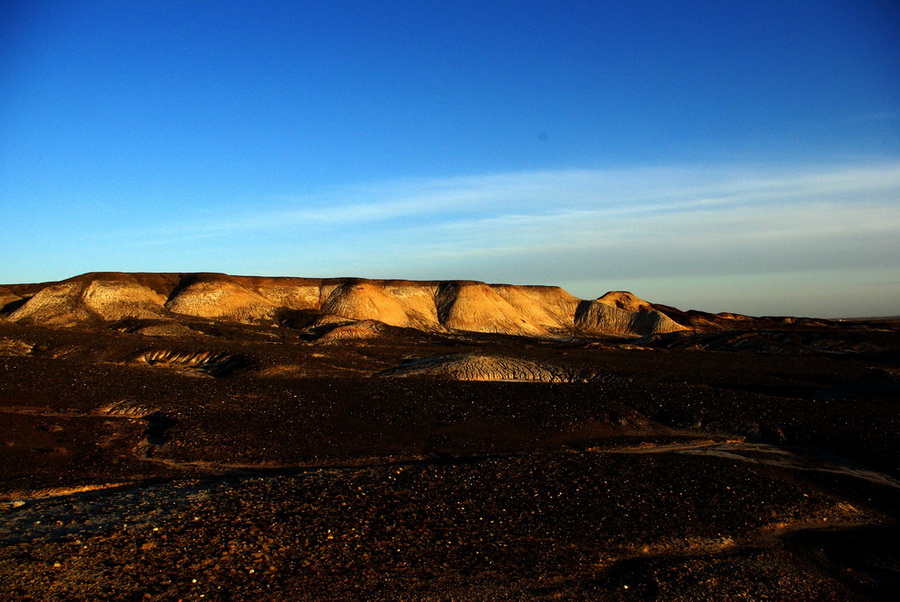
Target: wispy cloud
<point>596,227</point>
<point>549,196</point>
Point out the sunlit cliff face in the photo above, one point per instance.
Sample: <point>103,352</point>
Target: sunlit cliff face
<point>431,306</point>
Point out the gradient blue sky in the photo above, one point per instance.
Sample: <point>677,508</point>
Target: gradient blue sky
<point>722,155</point>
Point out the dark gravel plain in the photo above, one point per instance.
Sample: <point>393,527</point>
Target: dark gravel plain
<point>247,463</point>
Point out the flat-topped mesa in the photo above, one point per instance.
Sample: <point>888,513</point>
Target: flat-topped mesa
<point>536,311</point>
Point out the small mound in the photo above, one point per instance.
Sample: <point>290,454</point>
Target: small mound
<point>599,317</point>
<point>154,328</point>
<point>364,329</point>
<point>202,362</point>
<point>167,329</point>
<point>327,321</point>
<point>486,367</point>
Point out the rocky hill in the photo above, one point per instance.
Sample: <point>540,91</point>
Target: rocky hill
<point>435,306</point>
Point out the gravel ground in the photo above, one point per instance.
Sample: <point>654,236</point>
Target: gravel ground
<point>296,473</point>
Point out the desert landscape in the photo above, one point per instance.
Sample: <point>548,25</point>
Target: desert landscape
<point>449,300</point>
<point>187,436</point>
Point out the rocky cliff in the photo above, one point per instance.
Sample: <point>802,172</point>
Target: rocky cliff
<point>423,305</point>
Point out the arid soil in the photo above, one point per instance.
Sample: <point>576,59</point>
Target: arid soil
<point>171,456</point>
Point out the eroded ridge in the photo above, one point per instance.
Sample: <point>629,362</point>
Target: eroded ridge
<point>128,409</point>
<point>14,347</point>
<point>204,362</point>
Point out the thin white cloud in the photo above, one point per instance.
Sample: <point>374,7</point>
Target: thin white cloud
<point>543,195</point>
<point>605,229</point>
<point>539,226</point>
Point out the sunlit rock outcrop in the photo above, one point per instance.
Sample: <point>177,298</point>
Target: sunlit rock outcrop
<point>220,298</point>
<point>319,304</point>
<point>91,297</point>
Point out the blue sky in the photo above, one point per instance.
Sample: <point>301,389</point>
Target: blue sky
<point>723,155</point>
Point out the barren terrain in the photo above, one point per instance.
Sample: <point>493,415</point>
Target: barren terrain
<point>168,436</point>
